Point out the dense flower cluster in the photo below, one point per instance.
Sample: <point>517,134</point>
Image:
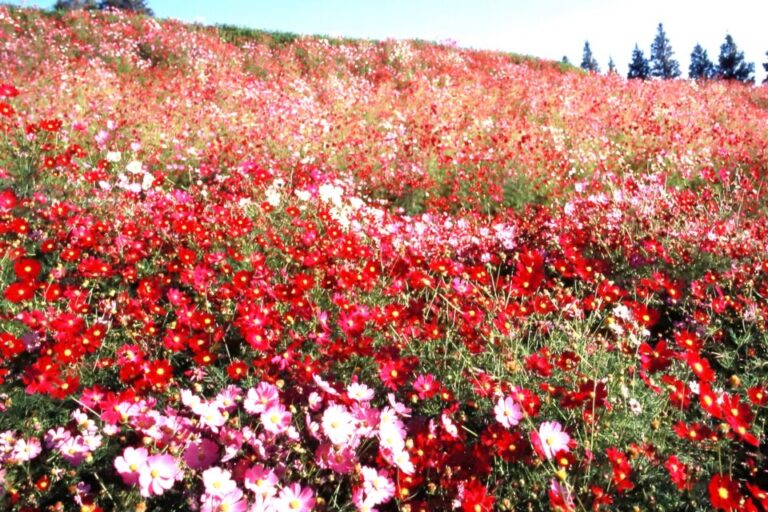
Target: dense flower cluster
<point>244,274</point>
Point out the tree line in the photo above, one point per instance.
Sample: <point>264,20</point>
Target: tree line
<point>139,6</point>
<point>731,64</point>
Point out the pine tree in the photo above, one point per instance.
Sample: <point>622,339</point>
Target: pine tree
<point>611,66</point>
<point>139,6</point>
<point>765,67</point>
<point>70,5</point>
<point>588,62</point>
<point>701,67</point>
<point>731,64</point>
<point>662,63</point>
<point>565,60</point>
<point>638,66</point>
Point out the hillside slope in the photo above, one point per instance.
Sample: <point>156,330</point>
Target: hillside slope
<point>251,271</point>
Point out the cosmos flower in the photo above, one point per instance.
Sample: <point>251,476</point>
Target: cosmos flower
<point>551,439</point>
<point>158,474</point>
<point>130,463</point>
<point>508,413</point>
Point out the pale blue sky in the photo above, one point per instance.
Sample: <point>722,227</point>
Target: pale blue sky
<point>544,28</point>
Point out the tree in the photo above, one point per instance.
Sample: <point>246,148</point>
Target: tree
<point>139,6</point>
<point>765,67</point>
<point>70,5</point>
<point>661,61</point>
<point>611,66</point>
<point>701,67</point>
<point>731,64</point>
<point>638,66</point>
<point>565,60</point>
<point>588,62</point>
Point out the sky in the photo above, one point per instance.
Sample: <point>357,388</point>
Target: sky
<point>549,29</point>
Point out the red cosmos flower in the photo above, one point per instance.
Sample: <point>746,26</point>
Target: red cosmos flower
<point>760,495</point>
<point>68,386</point>
<point>529,401</point>
<point>724,493</point>
<point>708,400</point>
<point>43,483</point>
<point>19,292</point>
<point>159,373</point>
<point>678,472</point>
<point>654,359</point>
<point>8,200</point>
<point>758,395</point>
<point>688,341</point>
<point>679,394</point>
<point>475,498</point>
<point>67,353</point>
<point>529,273</point>
<point>8,91</point>
<point>6,110</point>
<point>10,346</point>
<point>644,315</point>
<point>739,416</point>
<point>237,370</point>
<point>609,292</point>
<point>52,292</point>
<point>700,366</point>
<point>695,432</point>
<point>600,498</point>
<point>621,470</point>
<point>539,363</point>
<point>42,376</point>
<point>393,373</point>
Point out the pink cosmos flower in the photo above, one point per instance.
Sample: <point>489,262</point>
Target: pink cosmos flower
<point>508,413</point>
<point>263,397</point>
<point>74,450</point>
<point>201,454</point>
<point>377,485</point>
<point>231,502</point>
<point>55,438</point>
<point>261,481</point>
<point>210,415</point>
<point>359,392</point>
<point>551,439</point>
<point>158,474</point>
<point>339,459</point>
<point>426,386</point>
<point>294,498</point>
<point>276,419</point>
<point>228,397</point>
<point>24,451</point>
<point>129,464</point>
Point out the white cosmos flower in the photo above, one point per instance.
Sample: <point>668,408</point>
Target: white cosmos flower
<point>338,424</point>
<point>134,167</point>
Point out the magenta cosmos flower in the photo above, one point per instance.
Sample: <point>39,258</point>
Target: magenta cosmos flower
<point>157,475</point>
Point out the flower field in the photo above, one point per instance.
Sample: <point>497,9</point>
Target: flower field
<point>245,271</point>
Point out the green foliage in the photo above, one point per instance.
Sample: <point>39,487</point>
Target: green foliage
<point>638,66</point>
